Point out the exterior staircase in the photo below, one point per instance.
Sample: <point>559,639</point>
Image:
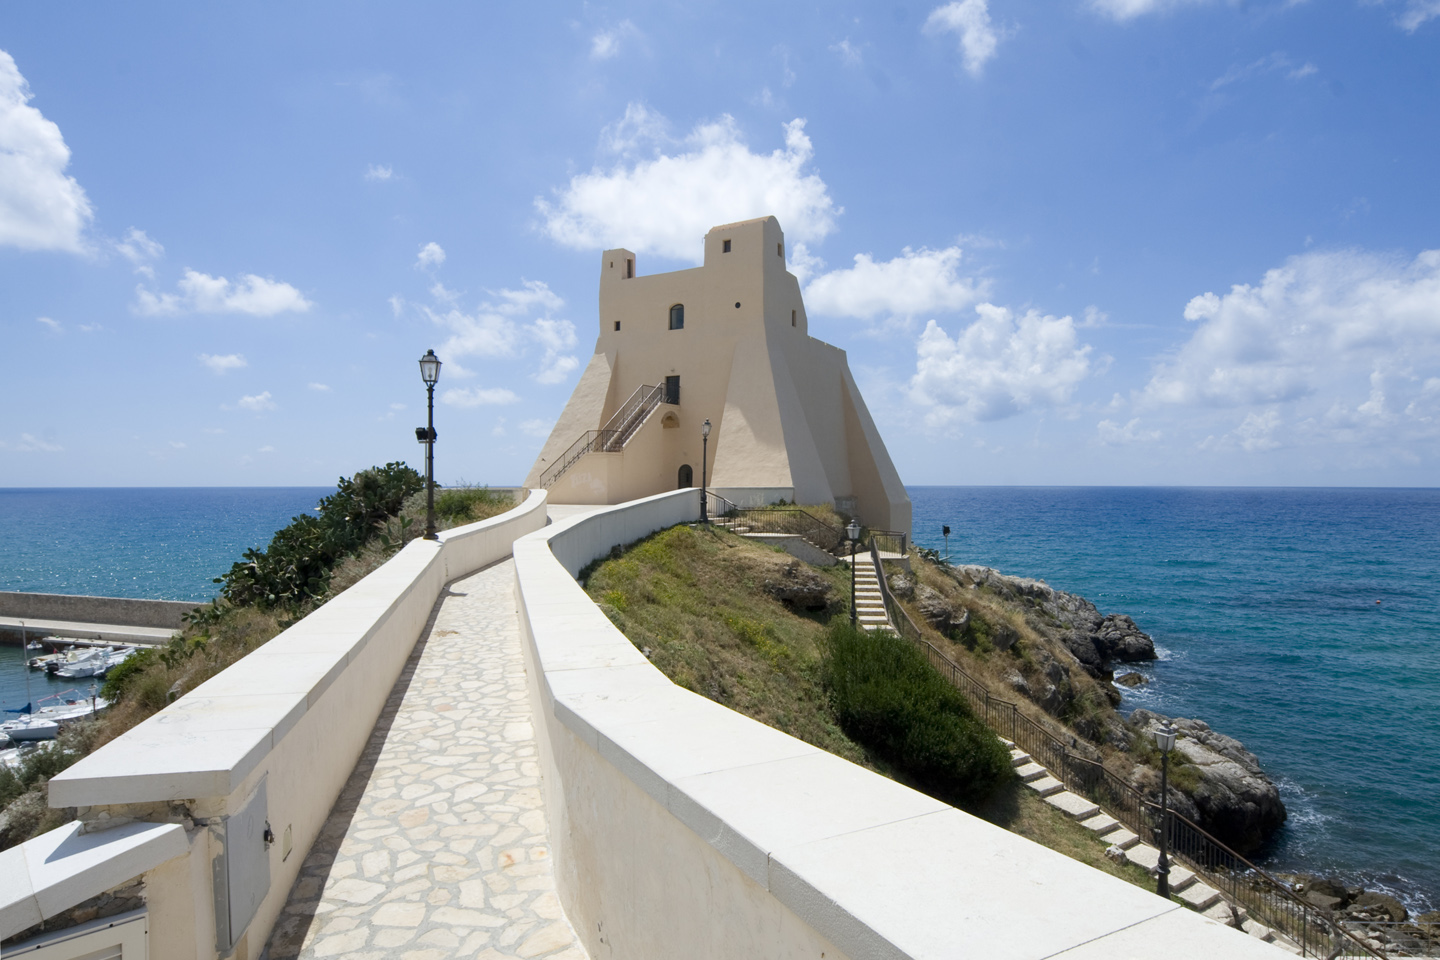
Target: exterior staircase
<point>869,601</point>
<point>1126,847</point>
<point>617,431</point>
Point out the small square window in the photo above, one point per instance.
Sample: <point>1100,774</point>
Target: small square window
<point>726,247</point>
<point>617,325</point>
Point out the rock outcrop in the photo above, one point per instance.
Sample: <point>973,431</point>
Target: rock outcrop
<point>800,586</point>
<point>1234,800</point>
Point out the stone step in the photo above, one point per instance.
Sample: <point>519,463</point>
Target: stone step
<point>1259,931</point>
<point>1102,823</point>
<point>1072,804</point>
<point>1045,786</point>
<point>1018,757</point>
<point>1144,855</point>
<point>1122,838</point>
<point>1220,913</point>
<point>1031,771</point>
<point>1199,896</point>
<point>1181,878</point>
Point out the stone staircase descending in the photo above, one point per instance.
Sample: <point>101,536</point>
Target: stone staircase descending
<point>1126,847</point>
<point>869,602</point>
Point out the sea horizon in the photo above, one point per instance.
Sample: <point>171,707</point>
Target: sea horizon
<point>1260,600</point>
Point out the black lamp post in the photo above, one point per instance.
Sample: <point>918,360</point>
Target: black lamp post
<point>1165,740</point>
<point>430,373</point>
<point>704,462</point>
<point>852,530</point>
<point>945,532</point>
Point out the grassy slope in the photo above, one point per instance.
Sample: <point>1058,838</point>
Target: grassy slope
<point>695,600</point>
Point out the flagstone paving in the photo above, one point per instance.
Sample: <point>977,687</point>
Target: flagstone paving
<point>438,846</point>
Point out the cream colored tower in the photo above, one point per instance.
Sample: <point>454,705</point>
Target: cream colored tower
<point>787,419</point>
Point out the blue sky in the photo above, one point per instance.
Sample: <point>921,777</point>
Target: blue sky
<point>1064,242</point>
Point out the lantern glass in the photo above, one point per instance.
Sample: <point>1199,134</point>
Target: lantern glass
<point>853,530</point>
<point>430,368</point>
<point>705,429</point>
<point>1165,738</point>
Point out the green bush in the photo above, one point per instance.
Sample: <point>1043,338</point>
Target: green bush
<point>457,504</point>
<point>889,699</point>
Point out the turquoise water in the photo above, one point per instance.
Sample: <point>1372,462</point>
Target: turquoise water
<point>1261,602</point>
<point>1263,606</point>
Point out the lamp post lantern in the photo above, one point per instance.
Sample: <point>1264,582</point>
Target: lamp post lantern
<point>852,530</point>
<point>430,373</point>
<point>704,463</point>
<point>1165,740</point>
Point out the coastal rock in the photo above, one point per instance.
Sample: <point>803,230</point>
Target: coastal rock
<point>1118,638</point>
<point>1132,679</point>
<point>1372,902</point>
<point>798,585</point>
<point>1234,799</point>
<point>939,612</point>
<point>902,585</point>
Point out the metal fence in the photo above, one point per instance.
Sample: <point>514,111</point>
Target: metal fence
<point>613,436</point>
<point>790,520</point>
<point>1266,899</point>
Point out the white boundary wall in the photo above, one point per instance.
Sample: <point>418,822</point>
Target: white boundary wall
<point>294,715</point>
<point>682,829</point>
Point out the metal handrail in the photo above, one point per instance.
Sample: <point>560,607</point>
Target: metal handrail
<point>791,520</point>
<point>612,437</point>
<point>1266,898</point>
<point>893,541</point>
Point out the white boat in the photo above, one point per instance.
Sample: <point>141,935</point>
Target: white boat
<point>93,664</point>
<point>68,706</point>
<point>28,727</point>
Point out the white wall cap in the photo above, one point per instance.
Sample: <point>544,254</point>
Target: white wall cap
<point>1177,935</point>
<point>904,889</point>
<point>823,796</point>
<point>57,870</point>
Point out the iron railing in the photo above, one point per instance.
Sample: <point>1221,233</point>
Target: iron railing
<point>789,520</point>
<point>891,541</point>
<point>612,437</point>
<point>1266,899</point>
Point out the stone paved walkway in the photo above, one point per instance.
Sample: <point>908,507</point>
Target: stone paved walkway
<point>438,845</point>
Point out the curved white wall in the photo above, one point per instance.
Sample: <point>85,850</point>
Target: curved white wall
<point>682,829</point>
<point>296,713</point>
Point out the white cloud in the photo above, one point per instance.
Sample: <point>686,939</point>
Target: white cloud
<point>536,428</point>
<point>29,443</point>
<point>137,247</point>
<point>1307,328</point>
<point>606,44</point>
<point>221,363</point>
<point>320,387</point>
<point>257,404</point>
<point>377,172</point>
<point>917,281</point>
<point>178,444</point>
<point>849,53</point>
<point>1417,12</point>
<point>556,336</point>
<point>1129,9</point>
<point>479,396</point>
<point>1276,62</point>
<point>502,326</point>
<point>54,325</point>
<point>999,366</point>
<point>664,205</point>
<point>431,256</point>
<point>202,293</point>
<point>266,449</point>
<point>970,21</point>
<point>1113,435</point>
<point>40,207</point>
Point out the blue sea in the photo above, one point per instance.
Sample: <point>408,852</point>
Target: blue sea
<point>1262,603</point>
<point>1304,622</point>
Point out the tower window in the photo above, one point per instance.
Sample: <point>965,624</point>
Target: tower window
<point>617,325</point>
<point>672,389</point>
<point>792,320</point>
<point>629,269</point>
<point>780,249</point>
<point>677,317</point>
<point>726,247</point>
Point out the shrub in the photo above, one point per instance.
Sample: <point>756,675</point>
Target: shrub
<point>888,698</point>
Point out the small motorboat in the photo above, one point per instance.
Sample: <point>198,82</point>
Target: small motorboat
<point>68,705</point>
<point>93,664</point>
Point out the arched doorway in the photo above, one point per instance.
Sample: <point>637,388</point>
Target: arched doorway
<point>687,477</point>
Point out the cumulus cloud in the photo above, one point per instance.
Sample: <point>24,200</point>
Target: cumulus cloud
<point>917,281</point>
<point>536,428</point>
<point>999,366</point>
<point>970,21</point>
<point>1331,348</point>
<point>431,256</point>
<point>479,396</point>
<point>259,403</point>
<point>219,363</point>
<point>40,207</point>
<point>505,326</point>
<point>320,387</point>
<point>202,293</point>
<point>378,173</point>
<point>606,44</point>
<point>51,324</point>
<point>556,336</point>
<point>1129,9</point>
<point>1113,434</point>
<point>849,53</point>
<point>137,247</point>
<point>665,203</point>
